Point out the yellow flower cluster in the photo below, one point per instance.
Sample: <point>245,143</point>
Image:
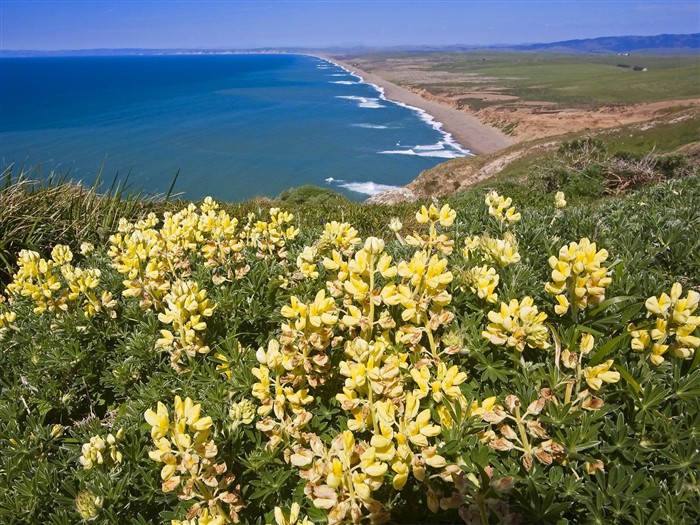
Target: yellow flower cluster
<point>188,455</point>
<point>531,438</point>
<point>7,316</point>
<point>499,207</point>
<point>185,307</point>
<point>220,242</point>
<point>482,280</point>
<point>86,248</point>
<point>291,367</point>
<point>155,257</point>
<point>501,252</point>
<point>282,395</point>
<point>241,413</point>
<point>432,217</point>
<point>306,263</point>
<point>151,257</point>
<point>595,375</point>
<point>270,238</point>
<point>339,236</point>
<point>559,200</point>
<point>518,324</point>
<point>88,504</point>
<point>674,326</point>
<point>101,451</point>
<point>578,277</point>
<point>387,315</point>
<point>55,284</point>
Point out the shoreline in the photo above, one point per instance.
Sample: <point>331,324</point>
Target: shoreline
<point>465,129</point>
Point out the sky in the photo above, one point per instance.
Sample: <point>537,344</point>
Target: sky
<point>241,24</point>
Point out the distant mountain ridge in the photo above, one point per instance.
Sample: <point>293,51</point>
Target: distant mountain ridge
<point>622,44</point>
<point>664,44</point>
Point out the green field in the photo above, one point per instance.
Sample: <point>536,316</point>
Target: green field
<point>571,80</point>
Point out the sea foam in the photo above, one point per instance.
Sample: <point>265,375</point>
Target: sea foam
<point>370,126</point>
<point>363,102</point>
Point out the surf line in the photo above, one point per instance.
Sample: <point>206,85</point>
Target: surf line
<point>426,117</point>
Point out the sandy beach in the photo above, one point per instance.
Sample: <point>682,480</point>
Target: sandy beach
<point>466,129</point>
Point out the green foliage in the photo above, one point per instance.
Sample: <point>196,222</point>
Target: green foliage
<point>310,196</point>
<point>69,377</point>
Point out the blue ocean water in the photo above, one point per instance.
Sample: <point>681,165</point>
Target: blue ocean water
<point>235,126</point>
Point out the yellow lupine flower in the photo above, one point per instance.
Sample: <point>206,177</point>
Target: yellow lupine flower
<point>578,274</point>
<point>204,519</point>
<point>559,200</point>
<point>518,324</point>
<point>292,518</point>
<point>597,375</point>
<point>502,252</point>
<point>445,216</point>
<point>395,225</point>
<point>101,451</point>
<point>159,421</point>
<point>498,205</point>
<point>88,504</point>
<point>482,280</point>
<point>587,342</point>
<point>6,319</point>
<point>433,241</point>
<point>674,326</point>
<point>305,262</point>
<point>339,236</point>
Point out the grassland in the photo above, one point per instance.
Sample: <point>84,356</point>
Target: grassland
<point>569,80</point>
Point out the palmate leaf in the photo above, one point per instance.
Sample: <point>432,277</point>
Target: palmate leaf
<point>688,386</point>
<point>492,370</point>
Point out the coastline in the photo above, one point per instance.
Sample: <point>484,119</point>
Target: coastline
<point>466,130</point>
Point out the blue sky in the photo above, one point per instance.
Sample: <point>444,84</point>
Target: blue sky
<point>91,24</point>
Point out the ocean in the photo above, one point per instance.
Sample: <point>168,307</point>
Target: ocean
<point>234,126</point>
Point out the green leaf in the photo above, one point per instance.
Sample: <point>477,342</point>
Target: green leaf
<point>627,377</point>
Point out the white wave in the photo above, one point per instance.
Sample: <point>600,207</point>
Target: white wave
<point>441,154</point>
<point>339,75</point>
<point>363,102</point>
<point>346,82</point>
<point>367,188</point>
<point>431,147</point>
<point>371,126</point>
<point>437,126</point>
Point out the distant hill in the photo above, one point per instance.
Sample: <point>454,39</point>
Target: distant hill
<point>622,44</point>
